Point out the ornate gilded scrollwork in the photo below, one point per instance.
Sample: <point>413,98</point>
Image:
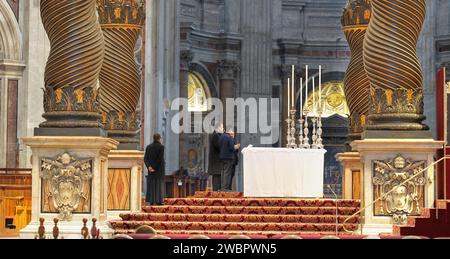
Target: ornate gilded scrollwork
<point>121,22</point>
<point>63,102</point>
<point>66,184</point>
<point>405,199</point>
<point>355,21</point>
<point>396,109</point>
<point>75,60</point>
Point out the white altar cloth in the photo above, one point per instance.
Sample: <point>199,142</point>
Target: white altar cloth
<point>283,173</point>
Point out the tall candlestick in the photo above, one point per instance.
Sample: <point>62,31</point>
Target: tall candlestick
<point>289,96</point>
<point>293,86</point>
<point>320,88</point>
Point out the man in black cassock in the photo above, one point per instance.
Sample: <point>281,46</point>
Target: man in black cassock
<point>154,161</point>
<point>214,164</point>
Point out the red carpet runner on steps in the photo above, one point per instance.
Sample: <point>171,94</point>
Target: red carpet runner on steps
<point>212,213</point>
<point>433,223</point>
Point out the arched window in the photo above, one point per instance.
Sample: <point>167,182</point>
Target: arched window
<point>333,100</point>
<point>198,93</point>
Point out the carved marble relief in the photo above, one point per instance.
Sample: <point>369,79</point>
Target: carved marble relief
<point>66,185</point>
<point>399,199</point>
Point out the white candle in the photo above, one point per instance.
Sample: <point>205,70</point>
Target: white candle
<point>307,79</point>
<point>289,96</point>
<point>293,87</point>
<point>320,88</point>
<point>301,96</point>
<point>314,96</point>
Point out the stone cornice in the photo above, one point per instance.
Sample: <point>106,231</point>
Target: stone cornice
<point>211,41</point>
<point>11,68</point>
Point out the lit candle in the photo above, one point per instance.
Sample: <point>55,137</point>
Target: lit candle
<point>293,87</point>
<point>289,96</point>
<point>320,88</point>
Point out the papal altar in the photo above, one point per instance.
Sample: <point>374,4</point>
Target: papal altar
<point>283,172</point>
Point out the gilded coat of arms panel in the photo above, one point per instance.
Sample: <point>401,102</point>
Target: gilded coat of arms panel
<point>66,185</point>
<point>400,198</point>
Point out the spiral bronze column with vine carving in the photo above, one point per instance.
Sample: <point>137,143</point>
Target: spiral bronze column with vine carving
<point>355,21</point>
<point>73,67</point>
<point>121,22</point>
<point>392,65</point>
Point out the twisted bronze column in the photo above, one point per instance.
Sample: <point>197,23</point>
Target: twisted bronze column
<point>121,22</point>
<point>355,21</point>
<point>392,65</point>
<point>73,67</point>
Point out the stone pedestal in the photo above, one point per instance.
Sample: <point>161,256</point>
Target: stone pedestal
<point>388,162</point>
<point>125,182</point>
<point>352,180</point>
<point>69,182</point>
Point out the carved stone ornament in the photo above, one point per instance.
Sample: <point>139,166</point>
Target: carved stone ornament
<point>404,199</point>
<point>68,181</point>
<point>228,69</point>
<point>186,57</point>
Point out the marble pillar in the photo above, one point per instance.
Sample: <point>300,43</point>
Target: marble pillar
<point>186,57</point>
<point>228,71</point>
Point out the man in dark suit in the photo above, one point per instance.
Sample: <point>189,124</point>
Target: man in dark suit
<point>154,161</point>
<point>228,150</point>
<point>214,164</point>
